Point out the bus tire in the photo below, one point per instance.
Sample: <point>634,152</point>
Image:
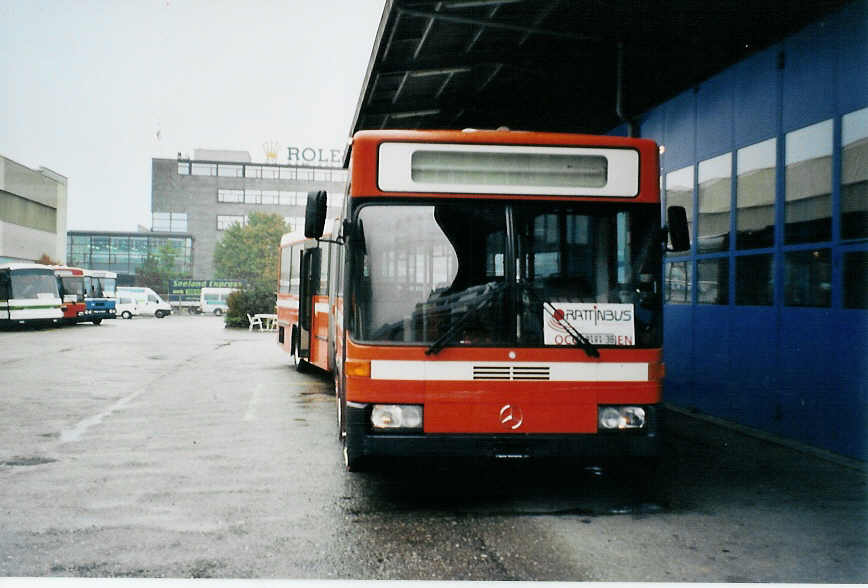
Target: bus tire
<point>218,312</point>
<point>353,463</point>
<point>340,418</point>
<point>293,346</point>
<point>126,315</point>
<point>96,321</point>
<point>301,366</point>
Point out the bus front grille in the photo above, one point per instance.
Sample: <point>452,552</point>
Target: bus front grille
<point>514,373</point>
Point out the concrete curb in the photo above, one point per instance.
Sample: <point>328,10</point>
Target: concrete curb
<point>829,456</point>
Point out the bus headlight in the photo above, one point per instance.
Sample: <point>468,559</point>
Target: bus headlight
<point>397,416</point>
<point>621,417</point>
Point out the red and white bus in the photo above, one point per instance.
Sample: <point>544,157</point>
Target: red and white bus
<point>498,293</point>
<point>71,285</point>
<point>303,309</point>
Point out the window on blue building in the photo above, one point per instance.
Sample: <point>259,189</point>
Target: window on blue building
<point>715,188</point>
<point>808,212</point>
<point>755,195</point>
<point>679,192</point>
<point>712,281</point>
<point>856,279</point>
<point>808,278</point>
<point>754,280</point>
<point>679,281</point>
<point>854,175</point>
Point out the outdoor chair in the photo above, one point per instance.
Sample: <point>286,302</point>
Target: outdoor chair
<point>254,320</point>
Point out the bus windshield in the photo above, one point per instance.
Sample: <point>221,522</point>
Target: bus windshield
<point>73,285</point>
<point>448,273</point>
<point>108,286</point>
<point>33,284</point>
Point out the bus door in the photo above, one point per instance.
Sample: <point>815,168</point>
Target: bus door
<point>5,295</point>
<point>308,288</point>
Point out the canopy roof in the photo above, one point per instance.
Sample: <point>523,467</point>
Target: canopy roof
<point>553,65</point>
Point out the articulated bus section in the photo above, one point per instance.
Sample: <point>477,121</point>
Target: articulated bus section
<point>488,294</point>
<point>303,310</point>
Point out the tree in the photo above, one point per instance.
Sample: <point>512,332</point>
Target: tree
<point>251,252</point>
<point>253,298</point>
<point>156,271</point>
<point>47,260</point>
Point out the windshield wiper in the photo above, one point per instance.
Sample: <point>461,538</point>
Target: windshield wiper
<point>484,299</point>
<point>581,340</point>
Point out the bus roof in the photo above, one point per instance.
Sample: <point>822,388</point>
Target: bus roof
<point>489,136</point>
<point>558,165</point>
<point>65,270</point>
<point>17,265</point>
<point>100,273</point>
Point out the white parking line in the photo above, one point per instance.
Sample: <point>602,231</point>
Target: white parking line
<point>75,433</point>
<point>251,404</point>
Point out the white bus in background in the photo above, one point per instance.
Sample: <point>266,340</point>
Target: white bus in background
<point>135,300</point>
<point>214,300</point>
<point>28,295</point>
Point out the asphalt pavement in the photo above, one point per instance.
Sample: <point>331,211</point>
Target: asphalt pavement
<point>177,448</point>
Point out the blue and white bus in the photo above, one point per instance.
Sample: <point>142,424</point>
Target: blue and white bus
<point>28,295</point>
<point>100,286</point>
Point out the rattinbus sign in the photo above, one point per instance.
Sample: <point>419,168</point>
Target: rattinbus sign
<point>600,323</point>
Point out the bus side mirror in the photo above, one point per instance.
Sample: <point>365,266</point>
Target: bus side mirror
<point>315,214</point>
<point>679,234</point>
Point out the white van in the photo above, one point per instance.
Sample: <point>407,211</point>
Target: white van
<point>214,300</point>
<point>141,301</point>
<point>125,306</point>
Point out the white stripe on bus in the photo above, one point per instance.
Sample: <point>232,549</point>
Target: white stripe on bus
<point>464,370</point>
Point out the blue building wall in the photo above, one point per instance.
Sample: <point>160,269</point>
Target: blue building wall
<point>770,328</point>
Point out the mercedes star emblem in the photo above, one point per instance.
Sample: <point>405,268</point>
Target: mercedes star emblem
<point>511,417</point>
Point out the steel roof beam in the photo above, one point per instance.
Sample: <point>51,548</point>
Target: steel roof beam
<point>478,33</point>
<point>483,22</point>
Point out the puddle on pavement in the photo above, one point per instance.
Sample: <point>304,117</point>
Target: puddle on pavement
<point>500,491</point>
<point>26,461</point>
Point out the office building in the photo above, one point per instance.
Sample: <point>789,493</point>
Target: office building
<point>204,195</point>
<point>124,252</point>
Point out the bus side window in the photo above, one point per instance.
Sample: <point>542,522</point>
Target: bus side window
<point>4,286</point>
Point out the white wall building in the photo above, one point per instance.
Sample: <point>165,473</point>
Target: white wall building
<point>32,213</point>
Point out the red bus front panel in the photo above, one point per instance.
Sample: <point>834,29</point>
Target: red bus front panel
<point>554,391</point>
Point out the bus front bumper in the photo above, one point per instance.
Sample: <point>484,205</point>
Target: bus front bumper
<point>363,442</point>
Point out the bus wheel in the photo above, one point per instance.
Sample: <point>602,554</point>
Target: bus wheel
<point>126,314</point>
<point>340,414</point>
<point>293,346</point>
<point>353,463</point>
<point>218,312</point>
<point>299,364</point>
<point>96,321</point>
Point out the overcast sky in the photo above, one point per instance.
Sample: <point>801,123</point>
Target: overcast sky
<point>94,89</point>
